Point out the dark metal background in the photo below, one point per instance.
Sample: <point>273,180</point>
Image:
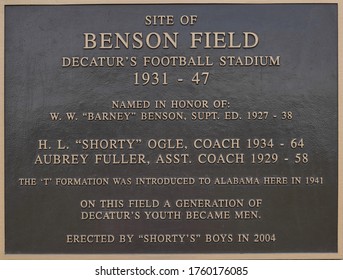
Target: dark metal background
<point>305,36</point>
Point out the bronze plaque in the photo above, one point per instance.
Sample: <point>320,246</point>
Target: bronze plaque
<point>172,129</point>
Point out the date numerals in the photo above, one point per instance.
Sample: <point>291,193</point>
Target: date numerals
<point>314,180</point>
<point>264,115</point>
<point>154,79</point>
<point>200,78</point>
<point>258,115</point>
<point>264,237</point>
<point>262,143</point>
<point>264,158</point>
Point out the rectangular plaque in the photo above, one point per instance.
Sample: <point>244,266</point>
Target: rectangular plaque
<point>174,129</point>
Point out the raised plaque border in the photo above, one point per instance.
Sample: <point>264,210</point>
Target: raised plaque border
<point>185,256</point>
